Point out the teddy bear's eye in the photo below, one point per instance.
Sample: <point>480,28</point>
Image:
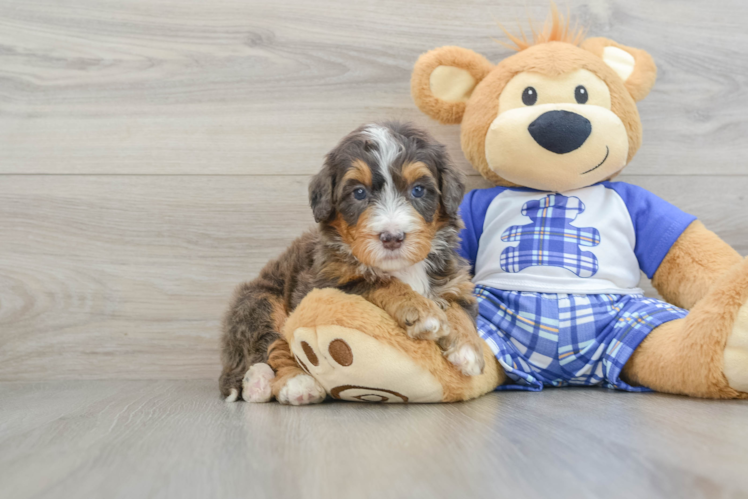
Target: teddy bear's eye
<point>529,96</point>
<point>581,95</point>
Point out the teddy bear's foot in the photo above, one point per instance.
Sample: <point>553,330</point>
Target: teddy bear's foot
<point>736,353</point>
<point>704,354</point>
<point>357,352</point>
<point>465,357</point>
<point>256,385</point>
<point>301,390</point>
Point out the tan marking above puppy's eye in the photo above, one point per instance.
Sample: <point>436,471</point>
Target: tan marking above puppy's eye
<point>416,170</point>
<point>359,172</point>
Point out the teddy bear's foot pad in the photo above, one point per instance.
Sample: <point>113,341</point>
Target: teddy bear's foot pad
<point>256,386</point>
<point>301,390</point>
<point>736,353</point>
<point>354,366</point>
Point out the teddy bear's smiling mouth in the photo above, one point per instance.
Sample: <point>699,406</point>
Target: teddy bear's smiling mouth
<point>607,152</point>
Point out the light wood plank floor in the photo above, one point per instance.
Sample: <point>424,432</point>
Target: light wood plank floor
<point>176,438</point>
<point>154,153</point>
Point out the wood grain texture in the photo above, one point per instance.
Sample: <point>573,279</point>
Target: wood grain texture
<point>128,276</point>
<point>105,276</point>
<point>178,439</point>
<point>257,87</point>
<point>155,154</point>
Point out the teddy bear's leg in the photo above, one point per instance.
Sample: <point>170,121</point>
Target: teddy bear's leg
<point>704,354</point>
<point>358,352</point>
<point>291,384</point>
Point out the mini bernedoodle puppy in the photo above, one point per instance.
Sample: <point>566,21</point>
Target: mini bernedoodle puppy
<point>386,202</point>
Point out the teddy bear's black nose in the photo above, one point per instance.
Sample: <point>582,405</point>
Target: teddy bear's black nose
<point>560,131</point>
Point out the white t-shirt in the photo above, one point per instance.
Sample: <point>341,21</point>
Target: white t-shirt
<point>591,240</point>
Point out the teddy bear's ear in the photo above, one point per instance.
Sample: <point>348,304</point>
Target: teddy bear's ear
<point>443,80</point>
<point>635,66</point>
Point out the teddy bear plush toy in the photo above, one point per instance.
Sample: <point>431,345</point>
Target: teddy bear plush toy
<point>556,246</point>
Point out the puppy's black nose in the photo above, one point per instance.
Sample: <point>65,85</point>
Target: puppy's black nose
<point>392,241</point>
<point>560,131</point>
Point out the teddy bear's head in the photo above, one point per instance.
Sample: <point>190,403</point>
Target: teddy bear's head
<point>558,115</point>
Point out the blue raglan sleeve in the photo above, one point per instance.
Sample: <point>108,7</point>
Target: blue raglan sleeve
<point>473,212</point>
<point>468,236</point>
<point>657,224</point>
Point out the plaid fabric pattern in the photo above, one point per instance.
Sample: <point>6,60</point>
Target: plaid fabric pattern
<point>551,240</point>
<point>560,339</point>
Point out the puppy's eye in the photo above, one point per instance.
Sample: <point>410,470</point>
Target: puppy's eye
<point>581,95</point>
<point>529,96</point>
<point>359,193</point>
<point>417,191</point>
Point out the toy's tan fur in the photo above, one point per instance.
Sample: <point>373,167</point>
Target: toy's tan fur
<point>345,253</point>
<point>551,59</point>
<point>700,272</point>
<point>696,261</point>
<point>332,307</point>
<point>555,29</point>
<point>686,356</point>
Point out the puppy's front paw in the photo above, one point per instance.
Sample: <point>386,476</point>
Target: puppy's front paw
<point>467,359</point>
<point>301,390</point>
<point>256,386</point>
<point>423,319</point>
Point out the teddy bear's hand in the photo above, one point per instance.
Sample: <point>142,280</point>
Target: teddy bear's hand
<point>422,318</point>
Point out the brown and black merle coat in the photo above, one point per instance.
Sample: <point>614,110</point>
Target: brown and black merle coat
<point>386,202</point>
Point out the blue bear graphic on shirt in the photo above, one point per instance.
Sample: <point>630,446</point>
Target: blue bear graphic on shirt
<point>551,240</point>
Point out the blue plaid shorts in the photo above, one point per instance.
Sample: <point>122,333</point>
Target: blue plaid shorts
<point>561,339</point>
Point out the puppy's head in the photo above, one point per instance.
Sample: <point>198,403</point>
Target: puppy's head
<point>386,192</point>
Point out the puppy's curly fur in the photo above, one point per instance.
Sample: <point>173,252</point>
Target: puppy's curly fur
<point>387,204</point>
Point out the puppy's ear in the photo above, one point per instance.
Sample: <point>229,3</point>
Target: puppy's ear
<point>321,195</point>
<point>451,185</point>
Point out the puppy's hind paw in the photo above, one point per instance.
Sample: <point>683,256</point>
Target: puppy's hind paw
<point>256,387</point>
<point>465,357</point>
<point>233,396</point>
<point>301,390</point>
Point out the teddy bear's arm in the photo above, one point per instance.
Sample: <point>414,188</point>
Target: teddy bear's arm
<point>694,262</point>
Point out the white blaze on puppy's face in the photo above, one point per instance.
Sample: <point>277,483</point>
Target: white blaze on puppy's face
<point>391,212</point>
